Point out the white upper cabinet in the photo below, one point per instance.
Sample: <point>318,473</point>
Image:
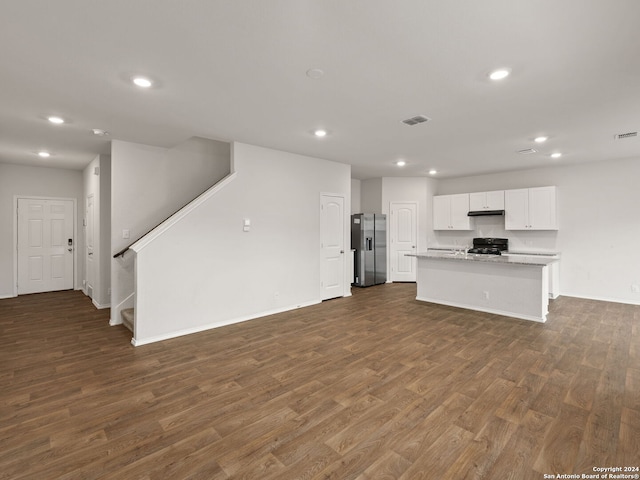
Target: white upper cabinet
<point>530,209</point>
<point>441,212</point>
<point>450,212</point>
<point>486,201</point>
<point>516,212</point>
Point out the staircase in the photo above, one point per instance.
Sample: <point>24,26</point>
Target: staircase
<point>127,318</point>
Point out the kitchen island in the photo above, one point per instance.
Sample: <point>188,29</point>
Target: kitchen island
<point>515,286</point>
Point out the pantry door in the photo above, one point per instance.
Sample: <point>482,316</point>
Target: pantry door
<point>332,246</point>
<point>403,241</point>
<point>45,244</point>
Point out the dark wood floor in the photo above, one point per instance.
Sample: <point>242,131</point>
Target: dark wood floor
<point>373,386</point>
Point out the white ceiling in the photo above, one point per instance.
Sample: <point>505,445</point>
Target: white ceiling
<point>236,70</point>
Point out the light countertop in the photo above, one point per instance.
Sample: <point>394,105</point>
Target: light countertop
<point>544,253</point>
<point>536,259</point>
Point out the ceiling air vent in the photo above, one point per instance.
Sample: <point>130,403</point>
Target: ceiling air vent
<point>527,151</point>
<point>416,120</point>
<point>620,136</point>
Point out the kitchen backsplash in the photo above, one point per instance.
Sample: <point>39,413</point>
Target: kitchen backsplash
<point>490,226</point>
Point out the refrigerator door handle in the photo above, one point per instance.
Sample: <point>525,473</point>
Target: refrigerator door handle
<point>369,243</point>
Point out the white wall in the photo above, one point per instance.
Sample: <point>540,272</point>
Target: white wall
<point>599,224</point>
<point>147,185</point>
<point>205,271</point>
<point>99,185</point>
<point>380,192</point>
<point>355,196</point>
<point>371,196</point>
<point>411,189</point>
<point>38,182</point>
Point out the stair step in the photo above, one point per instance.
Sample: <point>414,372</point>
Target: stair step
<point>128,318</point>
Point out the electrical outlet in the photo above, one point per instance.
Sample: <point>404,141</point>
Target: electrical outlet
<point>486,295</point>
<point>635,288</point>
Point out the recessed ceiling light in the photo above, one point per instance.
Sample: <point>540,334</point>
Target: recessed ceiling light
<point>556,155</point>
<point>499,74</point>
<point>44,154</point>
<point>432,172</point>
<point>320,133</point>
<point>56,120</point>
<point>541,139</point>
<point>99,132</point>
<point>401,163</point>
<point>142,82</point>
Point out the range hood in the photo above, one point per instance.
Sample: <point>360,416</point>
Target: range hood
<point>484,213</point>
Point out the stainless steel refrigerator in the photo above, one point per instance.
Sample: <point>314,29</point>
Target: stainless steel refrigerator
<point>369,240</point>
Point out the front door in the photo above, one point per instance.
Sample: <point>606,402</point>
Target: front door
<point>45,245</point>
<point>332,248</point>
<point>403,238</point>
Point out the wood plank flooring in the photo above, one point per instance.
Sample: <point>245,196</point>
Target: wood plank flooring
<point>373,386</point>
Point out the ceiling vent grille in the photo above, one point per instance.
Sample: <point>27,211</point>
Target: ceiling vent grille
<point>620,136</point>
<point>416,120</point>
<point>527,151</point>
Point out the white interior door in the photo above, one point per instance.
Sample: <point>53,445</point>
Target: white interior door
<point>332,246</point>
<point>45,245</point>
<point>89,242</point>
<point>403,237</point>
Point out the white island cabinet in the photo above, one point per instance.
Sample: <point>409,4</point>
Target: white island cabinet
<point>450,212</point>
<point>515,286</point>
<point>554,268</point>
<point>530,209</point>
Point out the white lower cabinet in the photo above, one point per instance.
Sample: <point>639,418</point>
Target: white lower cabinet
<point>530,209</point>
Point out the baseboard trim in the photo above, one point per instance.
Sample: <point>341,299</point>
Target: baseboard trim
<point>7,296</point>
<point>188,331</point>
<point>100,306</point>
<point>113,322</point>
<point>601,299</point>
<point>485,310</point>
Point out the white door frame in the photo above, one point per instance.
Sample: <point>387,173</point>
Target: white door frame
<point>15,235</point>
<point>86,222</point>
<point>346,222</point>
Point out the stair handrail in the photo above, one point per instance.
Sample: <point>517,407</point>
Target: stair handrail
<point>192,201</point>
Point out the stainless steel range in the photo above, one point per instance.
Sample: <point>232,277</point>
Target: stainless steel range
<point>489,246</point>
